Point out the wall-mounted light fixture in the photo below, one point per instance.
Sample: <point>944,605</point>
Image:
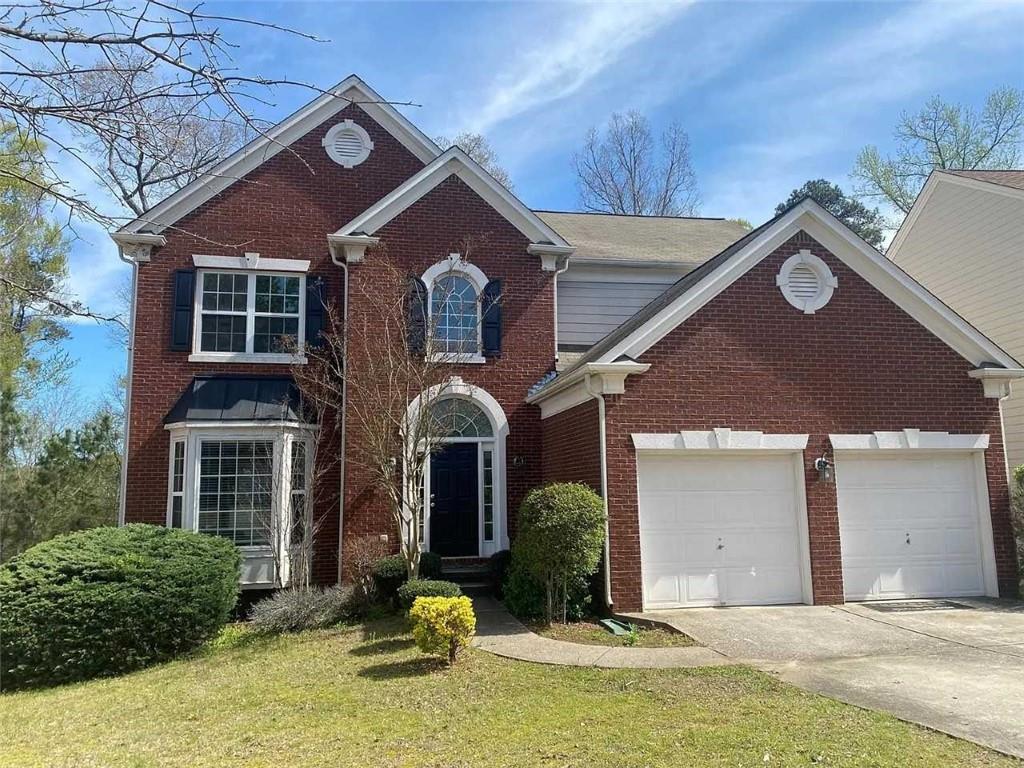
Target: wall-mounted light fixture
<point>518,461</point>
<point>824,467</point>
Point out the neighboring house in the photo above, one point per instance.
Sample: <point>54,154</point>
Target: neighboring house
<point>964,241</point>
<point>795,420</point>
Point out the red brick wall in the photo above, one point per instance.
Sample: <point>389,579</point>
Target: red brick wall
<point>283,209</point>
<point>750,361</point>
<point>571,446</point>
<point>442,222</point>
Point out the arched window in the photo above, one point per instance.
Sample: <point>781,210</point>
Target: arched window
<point>455,315</point>
<point>457,417</point>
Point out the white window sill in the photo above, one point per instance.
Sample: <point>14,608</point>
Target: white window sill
<point>246,357</point>
<point>459,358</point>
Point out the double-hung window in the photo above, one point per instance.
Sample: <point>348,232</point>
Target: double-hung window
<point>249,316</point>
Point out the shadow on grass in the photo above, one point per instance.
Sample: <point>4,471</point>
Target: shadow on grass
<point>395,625</point>
<point>383,646</point>
<point>396,670</point>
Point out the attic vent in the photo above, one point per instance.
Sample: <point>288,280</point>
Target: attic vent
<point>806,282</point>
<point>347,144</point>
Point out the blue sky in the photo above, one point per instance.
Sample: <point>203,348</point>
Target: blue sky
<point>772,94</point>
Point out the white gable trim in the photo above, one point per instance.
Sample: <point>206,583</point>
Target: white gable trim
<point>259,150</point>
<point>454,162</point>
<point>934,179</point>
<point>868,263</point>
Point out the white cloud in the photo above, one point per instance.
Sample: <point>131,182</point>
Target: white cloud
<point>561,62</point>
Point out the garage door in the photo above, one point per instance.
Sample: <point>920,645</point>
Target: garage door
<point>908,526</point>
<point>719,530</point>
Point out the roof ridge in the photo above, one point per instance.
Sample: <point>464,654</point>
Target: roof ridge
<point>632,215</point>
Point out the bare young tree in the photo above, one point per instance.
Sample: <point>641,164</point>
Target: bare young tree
<point>477,147</point>
<point>943,136</point>
<point>389,358</point>
<point>622,170</point>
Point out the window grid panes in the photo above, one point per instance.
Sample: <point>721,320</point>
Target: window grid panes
<point>177,482</point>
<point>298,490</point>
<point>488,483</point>
<point>455,417</point>
<point>236,490</point>
<point>455,315</point>
<point>242,313</point>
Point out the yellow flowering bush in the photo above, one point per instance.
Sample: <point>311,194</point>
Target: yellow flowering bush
<point>442,625</point>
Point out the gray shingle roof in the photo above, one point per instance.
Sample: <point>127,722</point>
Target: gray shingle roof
<point>669,239</point>
<point>1006,178</point>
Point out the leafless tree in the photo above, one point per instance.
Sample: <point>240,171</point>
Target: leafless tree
<point>477,147</point>
<point>389,356</point>
<point>623,170</point>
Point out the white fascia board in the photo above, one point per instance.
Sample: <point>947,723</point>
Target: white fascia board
<point>262,148</point>
<point>909,439</point>
<point>868,263</point>
<point>935,178</point>
<point>266,426</point>
<point>721,439</point>
<point>565,393</point>
<point>454,162</point>
<point>996,381</point>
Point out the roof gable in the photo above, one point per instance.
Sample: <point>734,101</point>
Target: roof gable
<point>454,161</point>
<point>351,90</point>
<point>696,289</point>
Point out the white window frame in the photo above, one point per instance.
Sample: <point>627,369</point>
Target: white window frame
<point>455,265</point>
<point>257,560</point>
<point>248,356</point>
<point>171,493</point>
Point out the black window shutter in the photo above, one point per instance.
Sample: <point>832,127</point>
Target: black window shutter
<point>315,310</point>
<point>491,330</point>
<point>416,316</point>
<point>181,313</point>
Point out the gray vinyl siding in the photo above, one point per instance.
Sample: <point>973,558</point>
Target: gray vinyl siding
<point>590,309</point>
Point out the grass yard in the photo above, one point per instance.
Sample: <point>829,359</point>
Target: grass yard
<point>592,633</point>
<point>364,696</point>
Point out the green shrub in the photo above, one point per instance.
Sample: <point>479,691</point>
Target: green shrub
<point>389,573</point>
<point>1017,518</point>
<point>497,568</point>
<point>408,592</point>
<point>294,610</point>
<point>442,625</point>
<point>111,600</point>
<point>526,597</point>
<point>559,540</point>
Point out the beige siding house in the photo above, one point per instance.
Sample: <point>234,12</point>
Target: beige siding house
<point>964,240</point>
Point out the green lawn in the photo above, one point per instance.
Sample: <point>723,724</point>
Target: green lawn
<point>589,632</point>
<point>365,697</point>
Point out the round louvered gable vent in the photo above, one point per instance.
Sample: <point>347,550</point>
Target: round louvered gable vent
<point>806,282</point>
<point>348,144</point>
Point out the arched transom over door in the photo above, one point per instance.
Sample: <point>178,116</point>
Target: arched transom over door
<point>464,488</point>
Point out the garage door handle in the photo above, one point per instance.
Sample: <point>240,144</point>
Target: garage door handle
<point>720,544</point>
<point>908,538</point>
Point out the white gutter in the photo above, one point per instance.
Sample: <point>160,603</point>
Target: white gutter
<point>561,270</point>
<point>344,405</point>
<point>140,245</point>
<point>604,490</point>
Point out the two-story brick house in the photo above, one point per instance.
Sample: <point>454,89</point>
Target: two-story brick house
<point>780,416</point>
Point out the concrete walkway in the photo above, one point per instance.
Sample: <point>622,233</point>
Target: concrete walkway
<point>500,633</point>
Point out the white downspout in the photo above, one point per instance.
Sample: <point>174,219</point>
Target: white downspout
<point>344,408</point>
<point>123,482</point>
<point>559,271</point>
<point>604,490</point>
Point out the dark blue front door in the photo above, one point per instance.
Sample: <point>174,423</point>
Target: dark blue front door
<point>454,501</point>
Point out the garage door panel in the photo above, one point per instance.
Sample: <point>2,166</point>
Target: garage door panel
<point>719,529</point>
<point>908,526</point>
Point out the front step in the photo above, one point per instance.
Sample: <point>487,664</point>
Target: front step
<point>472,574</point>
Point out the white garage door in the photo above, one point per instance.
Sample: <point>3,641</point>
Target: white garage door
<point>719,530</point>
<point>908,526</point>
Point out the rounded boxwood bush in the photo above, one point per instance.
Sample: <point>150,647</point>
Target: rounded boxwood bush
<point>408,592</point>
<point>389,573</point>
<point>559,540</point>
<point>110,600</point>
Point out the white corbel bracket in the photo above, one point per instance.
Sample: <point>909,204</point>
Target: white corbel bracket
<point>137,246</point>
<point>996,381</point>
<point>350,248</point>
<point>551,256</point>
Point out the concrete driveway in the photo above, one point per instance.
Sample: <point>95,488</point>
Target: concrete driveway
<point>953,665</point>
